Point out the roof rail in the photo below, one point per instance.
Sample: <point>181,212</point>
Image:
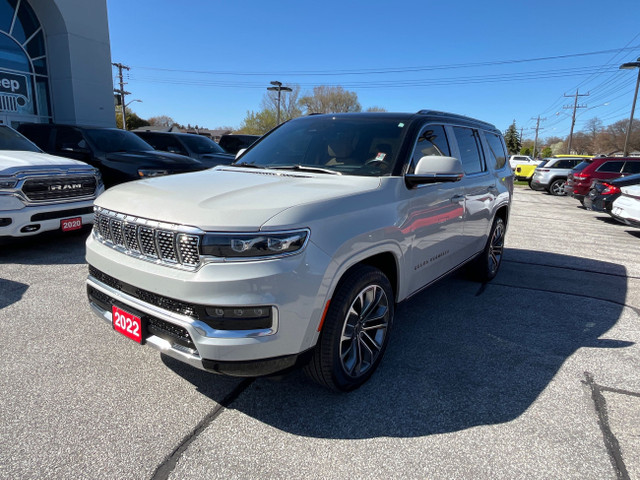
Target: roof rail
<point>454,115</point>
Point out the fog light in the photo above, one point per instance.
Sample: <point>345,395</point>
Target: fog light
<point>239,318</point>
<point>4,222</point>
<point>30,228</point>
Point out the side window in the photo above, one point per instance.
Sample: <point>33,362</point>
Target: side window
<point>68,139</point>
<point>611,167</point>
<point>631,167</point>
<point>497,154</point>
<point>469,146</point>
<point>565,164</point>
<point>432,141</point>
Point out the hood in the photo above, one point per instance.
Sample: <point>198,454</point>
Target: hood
<point>213,159</point>
<point>228,199</point>
<point>12,161</point>
<point>153,158</point>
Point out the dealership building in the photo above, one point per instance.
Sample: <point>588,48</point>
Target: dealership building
<point>55,62</point>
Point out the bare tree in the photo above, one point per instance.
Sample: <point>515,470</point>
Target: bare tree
<point>326,99</point>
<point>161,121</point>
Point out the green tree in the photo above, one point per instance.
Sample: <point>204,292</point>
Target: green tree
<point>326,99</point>
<point>512,139</point>
<point>133,120</point>
<point>546,152</point>
<point>258,123</point>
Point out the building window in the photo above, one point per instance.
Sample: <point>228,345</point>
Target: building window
<point>24,83</point>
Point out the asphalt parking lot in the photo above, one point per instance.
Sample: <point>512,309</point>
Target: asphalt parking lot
<point>534,375</point>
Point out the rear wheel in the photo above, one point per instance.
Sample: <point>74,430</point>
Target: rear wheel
<point>557,187</point>
<point>355,332</point>
<point>487,264</point>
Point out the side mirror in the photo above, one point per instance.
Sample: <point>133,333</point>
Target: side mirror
<point>435,169</point>
<point>240,152</point>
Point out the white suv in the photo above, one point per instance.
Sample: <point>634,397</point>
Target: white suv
<point>41,192</point>
<point>299,252</point>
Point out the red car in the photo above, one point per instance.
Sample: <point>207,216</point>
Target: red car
<point>601,168</point>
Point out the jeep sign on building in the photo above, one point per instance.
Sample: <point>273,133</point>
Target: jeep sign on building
<point>55,62</point>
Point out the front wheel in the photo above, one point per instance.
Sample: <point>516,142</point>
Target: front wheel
<point>356,331</point>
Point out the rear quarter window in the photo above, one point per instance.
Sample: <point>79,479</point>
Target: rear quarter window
<point>497,154</point>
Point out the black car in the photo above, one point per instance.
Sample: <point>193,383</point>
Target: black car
<point>604,192</point>
<point>118,154</point>
<point>234,143</point>
<point>194,146</point>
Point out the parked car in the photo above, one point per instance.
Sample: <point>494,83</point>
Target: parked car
<point>551,175</point>
<point>582,176</point>
<point>299,251</point>
<point>40,192</point>
<point>195,146</point>
<point>604,192</point>
<point>118,154</point>
<point>233,143</point>
<point>626,208</point>
<point>515,160</point>
<point>524,171</point>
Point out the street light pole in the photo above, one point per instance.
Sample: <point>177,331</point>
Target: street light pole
<point>278,88</point>
<point>631,66</point>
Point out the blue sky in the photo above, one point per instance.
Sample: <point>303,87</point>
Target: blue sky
<point>208,62</point>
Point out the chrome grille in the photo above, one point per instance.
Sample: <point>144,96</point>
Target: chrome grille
<point>147,239</point>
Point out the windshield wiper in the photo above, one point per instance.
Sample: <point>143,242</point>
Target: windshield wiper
<point>245,164</point>
<point>305,168</point>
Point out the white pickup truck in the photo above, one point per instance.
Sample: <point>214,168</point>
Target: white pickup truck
<point>41,192</point>
<point>298,253</point>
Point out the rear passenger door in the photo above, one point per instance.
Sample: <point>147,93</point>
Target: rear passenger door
<point>479,188</point>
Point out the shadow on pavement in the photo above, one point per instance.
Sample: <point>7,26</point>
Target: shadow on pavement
<point>11,292</point>
<point>45,249</point>
<point>461,354</point>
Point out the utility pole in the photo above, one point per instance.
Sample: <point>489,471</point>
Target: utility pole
<point>122,92</point>
<point>573,118</point>
<point>535,142</point>
<point>279,88</point>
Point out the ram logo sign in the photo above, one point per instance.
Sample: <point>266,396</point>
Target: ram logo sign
<point>15,85</point>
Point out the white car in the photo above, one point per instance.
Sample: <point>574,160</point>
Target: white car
<point>41,192</point>
<point>299,252</point>
<point>515,160</point>
<point>626,208</point>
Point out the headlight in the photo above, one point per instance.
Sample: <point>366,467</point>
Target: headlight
<point>8,182</point>
<point>151,172</point>
<point>254,244</point>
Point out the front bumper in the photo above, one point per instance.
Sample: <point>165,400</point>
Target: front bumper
<point>294,290</point>
<point>19,220</point>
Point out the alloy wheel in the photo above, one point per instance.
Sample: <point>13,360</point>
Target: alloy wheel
<point>496,246</point>
<point>364,331</point>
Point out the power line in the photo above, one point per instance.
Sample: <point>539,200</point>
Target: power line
<point>373,71</point>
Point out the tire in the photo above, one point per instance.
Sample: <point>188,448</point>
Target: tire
<point>557,187</point>
<point>354,336</point>
<point>487,264</point>
<point>533,187</point>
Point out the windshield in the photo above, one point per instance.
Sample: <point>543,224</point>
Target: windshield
<point>350,145</point>
<point>200,144</point>
<point>12,140</point>
<point>111,140</point>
